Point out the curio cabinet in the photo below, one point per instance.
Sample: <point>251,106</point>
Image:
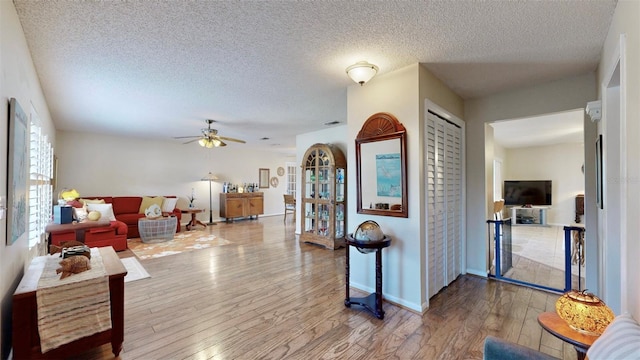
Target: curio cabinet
<point>324,174</point>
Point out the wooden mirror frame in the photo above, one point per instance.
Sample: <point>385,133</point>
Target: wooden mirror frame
<point>263,178</point>
<point>381,127</point>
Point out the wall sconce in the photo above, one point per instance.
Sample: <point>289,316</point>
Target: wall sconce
<point>362,71</point>
<point>584,312</point>
<point>594,110</point>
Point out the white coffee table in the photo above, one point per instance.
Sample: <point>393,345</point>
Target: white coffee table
<point>157,230</point>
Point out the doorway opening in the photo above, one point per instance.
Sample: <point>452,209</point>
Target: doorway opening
<point>546,149</point>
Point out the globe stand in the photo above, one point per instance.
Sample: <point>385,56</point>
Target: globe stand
<point>372,302</point>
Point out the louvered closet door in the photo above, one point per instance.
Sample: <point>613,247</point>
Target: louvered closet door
<point>444,201</point>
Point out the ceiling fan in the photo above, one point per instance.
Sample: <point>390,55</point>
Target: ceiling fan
<point>209,137</point>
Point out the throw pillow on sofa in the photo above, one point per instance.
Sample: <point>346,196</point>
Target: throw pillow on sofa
<point>84,202</point>
<point>148,201</point>
<point>620,340</point>
<point>106,210</point>
<point>80,214</point>
<point>169,204</point>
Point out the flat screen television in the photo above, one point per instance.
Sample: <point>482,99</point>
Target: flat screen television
<point>527,192</point>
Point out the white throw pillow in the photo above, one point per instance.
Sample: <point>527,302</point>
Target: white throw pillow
<point>620,340</point>
<point>169,204</point>
<point>106,210</point>
<point>80,213</point>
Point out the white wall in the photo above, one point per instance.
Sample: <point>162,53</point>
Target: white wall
<point>566,94</point>
<point>401,261</point>
<point>18,79</point>
<point>625,21</point>
<point>559,163</point>
<point>98,165</point>
<point>401,93</point>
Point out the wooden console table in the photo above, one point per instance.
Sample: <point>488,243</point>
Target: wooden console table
<point>26,339</point>
<point>551,322</point>
<point>234,205</point>
<point>373,302</point>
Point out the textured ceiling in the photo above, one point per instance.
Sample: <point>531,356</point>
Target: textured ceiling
<point>551,129</point>
<point>158,69</point>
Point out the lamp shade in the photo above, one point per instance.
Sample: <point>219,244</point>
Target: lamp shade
<point>584,312</point>
<point>209,177</point>
<point>362,71</point>
<point>68,194</point>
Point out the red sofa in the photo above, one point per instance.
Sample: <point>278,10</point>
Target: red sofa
<point>127,212</point>
<point>114,234</point>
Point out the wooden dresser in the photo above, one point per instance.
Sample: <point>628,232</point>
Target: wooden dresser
<point>26,339</point>
<point>236,205</point>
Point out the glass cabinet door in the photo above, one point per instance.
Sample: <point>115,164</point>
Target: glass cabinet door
<point>339,202</point>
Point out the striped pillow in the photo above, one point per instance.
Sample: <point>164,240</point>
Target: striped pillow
<point>620,340</point>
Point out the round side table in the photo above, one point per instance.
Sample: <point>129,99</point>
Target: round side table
<point>194,221</point>
<point>551,322</point>
<point>372,302</point>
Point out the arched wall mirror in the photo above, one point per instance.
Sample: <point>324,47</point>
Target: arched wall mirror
<point>381,167</point>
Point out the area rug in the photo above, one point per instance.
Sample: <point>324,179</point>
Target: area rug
<point>135,270</point>
<point>182,242</point>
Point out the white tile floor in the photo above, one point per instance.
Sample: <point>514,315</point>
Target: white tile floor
<point>543,244</point>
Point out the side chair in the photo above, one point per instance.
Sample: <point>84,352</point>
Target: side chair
<point>289,206</point>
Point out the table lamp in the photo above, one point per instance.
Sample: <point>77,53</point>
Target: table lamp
<point>584,312</point>
<point>210,178</point>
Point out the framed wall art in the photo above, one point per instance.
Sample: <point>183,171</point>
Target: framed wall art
<point>18,172</point>
<point>263,178</point>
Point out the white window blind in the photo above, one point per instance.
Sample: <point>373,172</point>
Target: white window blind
<point>291,178</point>
<point>40,189</point>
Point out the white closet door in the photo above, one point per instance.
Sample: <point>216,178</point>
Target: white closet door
<point>453,180</point>
<point>435,204</point>
<point>444,201</point>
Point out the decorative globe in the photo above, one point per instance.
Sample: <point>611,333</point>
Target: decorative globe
<point>368,231</point>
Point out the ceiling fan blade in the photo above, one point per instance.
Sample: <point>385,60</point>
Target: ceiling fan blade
<point>222,143</point>
<point>190,141</point>
<point>231,139</point>
<point>186,137</point>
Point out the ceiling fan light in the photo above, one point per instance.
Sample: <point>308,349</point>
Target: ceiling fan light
<point>362,71</point>
<point>215,142</point>
<point>208,143</point>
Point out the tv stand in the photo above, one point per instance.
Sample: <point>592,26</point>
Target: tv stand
<point>533,215</point>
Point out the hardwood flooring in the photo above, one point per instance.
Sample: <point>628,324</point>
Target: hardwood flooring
<point>266,296</point>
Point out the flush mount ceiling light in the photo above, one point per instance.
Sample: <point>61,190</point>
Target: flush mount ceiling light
<point>362,71</point>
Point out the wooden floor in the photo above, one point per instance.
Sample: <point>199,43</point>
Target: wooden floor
<point>266,296</point>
